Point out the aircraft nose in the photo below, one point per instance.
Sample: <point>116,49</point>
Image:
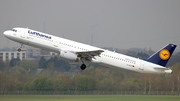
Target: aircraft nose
<point>6,33</point>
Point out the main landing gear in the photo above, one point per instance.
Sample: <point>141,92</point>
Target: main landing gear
<point>19,49</point>
<point>83,66</point>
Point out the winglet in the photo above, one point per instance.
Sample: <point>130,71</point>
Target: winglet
<point>162,56</point>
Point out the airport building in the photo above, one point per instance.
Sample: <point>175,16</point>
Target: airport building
<point>8,55</point>
<point>27,53</point>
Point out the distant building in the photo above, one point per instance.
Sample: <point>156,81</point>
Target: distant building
<point>53,54</point>
<point>28,53</point>
<point>8,55</point>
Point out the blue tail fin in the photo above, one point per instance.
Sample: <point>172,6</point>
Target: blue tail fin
<point>162,56</point>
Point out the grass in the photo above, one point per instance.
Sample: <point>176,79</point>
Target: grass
<point>88,98</point>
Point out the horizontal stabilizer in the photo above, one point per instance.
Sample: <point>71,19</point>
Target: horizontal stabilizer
<point>161,69</point>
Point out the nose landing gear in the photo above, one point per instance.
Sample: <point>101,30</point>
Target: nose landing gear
<point>19,49</point>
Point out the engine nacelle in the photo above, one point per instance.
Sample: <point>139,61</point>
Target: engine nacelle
<point>69,56</point>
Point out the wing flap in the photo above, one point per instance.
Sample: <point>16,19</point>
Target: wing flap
<point>89,54</point>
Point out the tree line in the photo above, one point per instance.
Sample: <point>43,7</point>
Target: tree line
<point>25,75</point>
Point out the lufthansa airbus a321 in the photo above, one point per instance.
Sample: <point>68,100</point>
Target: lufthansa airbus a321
<point>79,52</point>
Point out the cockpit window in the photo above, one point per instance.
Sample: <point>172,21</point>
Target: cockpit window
<point>14,30</point>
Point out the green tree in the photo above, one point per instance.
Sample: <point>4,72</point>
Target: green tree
<point>49,70</point>
<point>142,55</point>
<point>58,63</point>
<point>86,83</point>
<point>41,84</point>
<point>2,65</point>
<point>19,69</point>
<point>67,82</point>
<point>29,66</point>
<point>3,81</point>
<point>27,86</point>
<point>14,62</point>
<point>42,62</point>
<point>174,59</point>
<point>59,85</point>
<point>130,84</point>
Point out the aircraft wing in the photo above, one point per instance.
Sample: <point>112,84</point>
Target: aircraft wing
<point>89,54</point>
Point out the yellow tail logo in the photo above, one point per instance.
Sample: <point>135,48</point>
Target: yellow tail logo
<point>164,54</point>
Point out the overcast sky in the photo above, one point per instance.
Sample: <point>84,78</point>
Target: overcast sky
<point>114,23</point>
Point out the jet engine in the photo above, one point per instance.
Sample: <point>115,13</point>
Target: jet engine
<point>69,56</point>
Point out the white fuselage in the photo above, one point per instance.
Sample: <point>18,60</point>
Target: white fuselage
<point>56,44</point>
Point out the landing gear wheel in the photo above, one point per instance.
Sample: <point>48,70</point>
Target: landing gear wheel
<point>83,66</point>
<point>19,49</point>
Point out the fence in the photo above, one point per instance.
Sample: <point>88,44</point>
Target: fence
<point>88,93</point>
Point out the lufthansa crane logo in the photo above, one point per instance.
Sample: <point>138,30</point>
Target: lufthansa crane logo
<point>164,54</point>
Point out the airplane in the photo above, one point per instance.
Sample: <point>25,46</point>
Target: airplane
<point>78,52</point>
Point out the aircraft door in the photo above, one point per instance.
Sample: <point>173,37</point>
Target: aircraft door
<point>142,65</point>
<point>55,42</point>
<point>23,34</point>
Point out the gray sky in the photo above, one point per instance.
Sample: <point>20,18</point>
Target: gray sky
<point>114,23</point>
